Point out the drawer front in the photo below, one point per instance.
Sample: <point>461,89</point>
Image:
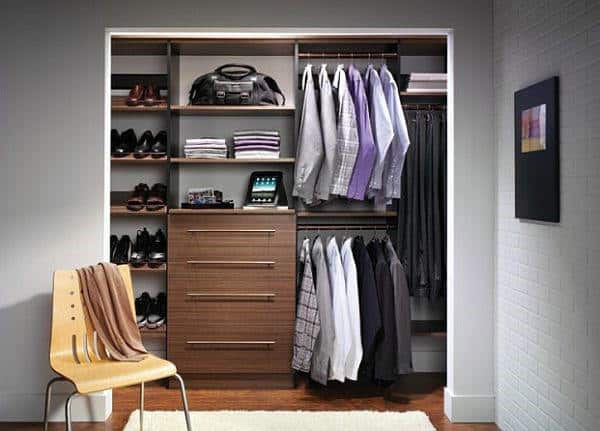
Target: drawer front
<point>230,237</point>
<point>231,277</point>
<point>247,349</point>
<point>192,311</point>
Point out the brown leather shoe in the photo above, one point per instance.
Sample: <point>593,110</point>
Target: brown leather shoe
<point>136,95</point>
<point>151,96</point>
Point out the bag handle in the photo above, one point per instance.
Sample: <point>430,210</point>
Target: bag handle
<point>237,74</point>
<point>275,87</point>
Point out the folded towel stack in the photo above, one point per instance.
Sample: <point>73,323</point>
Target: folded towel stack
<point>256,144</point>
<point>205,148</point>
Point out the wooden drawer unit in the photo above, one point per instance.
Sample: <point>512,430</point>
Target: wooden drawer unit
<point>231,298</point>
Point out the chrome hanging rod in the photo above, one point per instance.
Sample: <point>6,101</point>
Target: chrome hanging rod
<point>368,55</point>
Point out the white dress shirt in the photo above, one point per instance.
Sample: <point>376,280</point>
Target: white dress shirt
<point>355,354</point>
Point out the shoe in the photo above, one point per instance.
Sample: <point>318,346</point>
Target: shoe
<point>158,250</point>
<point>142,149</point>
<point>123,250</point>
<point>114,240</point>
<point>157,197</point>
<point>158,312</point>
<point>137,200</point>
<point>159,147</point>
<point>151,96</point>
<point>136,95</point>
<point>139,255</point>
<point>142,308</point>
<point>128,142</point>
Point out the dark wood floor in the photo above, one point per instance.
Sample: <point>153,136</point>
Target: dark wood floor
<point>419,392</point>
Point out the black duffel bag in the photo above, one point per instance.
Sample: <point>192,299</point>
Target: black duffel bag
<point>235,84</point>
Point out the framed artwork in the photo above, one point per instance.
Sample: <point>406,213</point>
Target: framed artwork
<point>537,176</point>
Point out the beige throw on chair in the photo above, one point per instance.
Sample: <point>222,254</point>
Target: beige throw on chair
<point>109,308</point>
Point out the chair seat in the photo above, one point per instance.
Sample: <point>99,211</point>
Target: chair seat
<point>107,374</point>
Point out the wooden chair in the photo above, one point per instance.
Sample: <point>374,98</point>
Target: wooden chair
<point>78,356</point>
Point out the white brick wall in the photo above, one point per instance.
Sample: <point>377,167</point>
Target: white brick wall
<point>547,276</point>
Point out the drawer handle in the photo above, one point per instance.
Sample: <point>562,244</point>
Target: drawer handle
<point>246,343</point>
<point>231,295</point>
<point>231,262</point>
<point>267,231</point>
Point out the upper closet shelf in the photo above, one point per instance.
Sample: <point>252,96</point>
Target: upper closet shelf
<point>232,110</point>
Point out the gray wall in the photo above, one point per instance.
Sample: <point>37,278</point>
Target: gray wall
<point>51,161</point>
<point>548,296</point>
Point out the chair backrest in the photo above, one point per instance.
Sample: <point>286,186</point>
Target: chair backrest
<point>73,339</point>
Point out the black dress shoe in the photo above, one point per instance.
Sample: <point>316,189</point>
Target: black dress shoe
<point>137,200</point>
<point>128,141</point>
<point>123,250</point>
<point>158,312</point>
<point>114,240</point>
<point>117,147</point>
<point>142,308</point>
<point>159,147</point>
<point>139,255</point>
<point>157,197</point>
<point>158,250</point>
<point>142,149</point>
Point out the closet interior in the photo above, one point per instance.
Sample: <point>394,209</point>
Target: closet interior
<point>231,276</point>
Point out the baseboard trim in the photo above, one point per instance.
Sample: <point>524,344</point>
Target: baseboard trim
<point>469,408</point>
<point>95,407</point>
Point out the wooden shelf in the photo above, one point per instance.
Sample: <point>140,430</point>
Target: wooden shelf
<point>307,214</point>
<point>159,333</point>
<point>118,105</point>
<point>123,211</point>
<point>424,93</point>
<point>147,269</point>
<point>185,161</point>
<point>232,110</point>
<point>230,211</point>
<point>130,160</point>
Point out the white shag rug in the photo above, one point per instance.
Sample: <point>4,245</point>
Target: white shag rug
<point>282,421</point>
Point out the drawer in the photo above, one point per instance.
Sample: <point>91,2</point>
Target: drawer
<point>226,237</point>
<point>248,349</point>
<point>191,312</point>
<point>232,276</point>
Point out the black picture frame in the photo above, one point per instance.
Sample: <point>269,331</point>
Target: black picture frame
<point>537,170</point>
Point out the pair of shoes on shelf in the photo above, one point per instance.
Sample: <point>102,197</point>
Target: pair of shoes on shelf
<point>120,249</point>
<point>149,249</point>
<point>153,199</point>
<point>147,95</point>
<point>151,312</point>
<point>127,143</point>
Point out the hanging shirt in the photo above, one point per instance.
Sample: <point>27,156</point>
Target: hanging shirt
<point>308,323</point>
<point>366,149</point>
<point>329,132</point>
<point>381,125</point>
<point>392,171</point>
<point>323,351</point>
<point>355,353</point>
<point>401,311</point>
<point>309,154</point>
<point>370,322</point>
<point>347,136</point>
<point>385,351</point>
<point>341,323</point>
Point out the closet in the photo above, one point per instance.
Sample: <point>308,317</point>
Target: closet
<point>231,276</point>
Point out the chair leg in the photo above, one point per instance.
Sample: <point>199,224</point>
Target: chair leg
<point>142,406</point>
<point>68,412</point>
<point>48,399</point>
<point>185,403</point>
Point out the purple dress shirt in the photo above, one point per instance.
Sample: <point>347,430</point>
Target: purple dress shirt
<point>366,150</point>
